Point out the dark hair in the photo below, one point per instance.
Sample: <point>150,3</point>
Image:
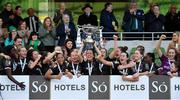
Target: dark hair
<point>17,7</point>
<point>107,4</point>
<point>29,10</point>
<point>11,51</point>
<point>30,37</point>
<point>32,33</point>
<point>177,61</point>
<point>17,37</point>
<point>151,55</point>
<point>105,51</point>
<point>67,49</point>
<point>20,23</point>
<point>126,54</point>
<point>29,54</point>
<point>67,40</point>
<point>141,49</point>
<point>177,57</point>
<point>123,49</point>
<point>91,50</point>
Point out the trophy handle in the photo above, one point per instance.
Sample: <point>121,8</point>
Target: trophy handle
<point>78,41</point>
<point>100,35</point>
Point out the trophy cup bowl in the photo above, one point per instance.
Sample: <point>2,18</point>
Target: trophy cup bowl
<point>89,38</point>
<point>89,30</point>
<point>89,33</point>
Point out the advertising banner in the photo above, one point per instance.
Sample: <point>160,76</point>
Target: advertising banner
<point>126,90</point>
<point>11,91</point>
<point>70,89</point>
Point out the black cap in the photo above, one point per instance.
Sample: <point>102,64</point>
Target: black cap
<point>86,6</point>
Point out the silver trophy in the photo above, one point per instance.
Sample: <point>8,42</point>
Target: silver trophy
<point>89,32</point>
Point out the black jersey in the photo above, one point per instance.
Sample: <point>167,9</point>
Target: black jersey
<point>19,66</point>
<point>58,69</point>
<point>90,68</point>
<point>75,69</point>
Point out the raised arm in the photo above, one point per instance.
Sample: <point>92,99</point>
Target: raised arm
<point>115,47</point>
<point>158,45</point>
<point>32,64</point>
<point>80,52</point>
<point>97,49</point>
<point>105,62</point>
<point>130,65</point>
<point>50,56</point>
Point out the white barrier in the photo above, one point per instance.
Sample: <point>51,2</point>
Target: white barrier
<point>149,45</point>
<point>11,91</point>
<point>78,88</point>
<point>71,89</point>
<point>128,90</point>
<point>175,88</point>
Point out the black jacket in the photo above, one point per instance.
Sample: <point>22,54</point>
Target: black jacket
<point>27,19</point>
<point>84,19</point>
<point>154,24</point>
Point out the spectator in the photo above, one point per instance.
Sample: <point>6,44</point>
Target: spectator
<point>3,33</point>
<point>133,19</point>
<point>23,32</point>
<point>178,21</point>
<point>133,22</point>
<point>17,44</point>
<point>32,21</point>
<point>12,35</point>
<point>69,46</point>
<point>66,30</point>
<point>108,20</point>
<point>47,34</point>
<point>17,16</point>
<point>149,13</point>
<point>87,17</point>
<point>35,43</point>
<point>175,43</point>
<point>7,13</point>
<point>58,17</point>
<point>171,20</point>
<point>155,21</point>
